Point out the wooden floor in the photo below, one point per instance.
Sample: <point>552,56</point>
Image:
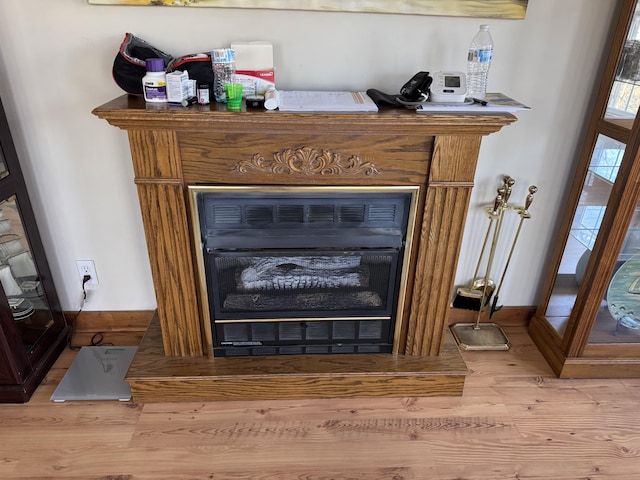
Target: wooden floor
<point>514,421</point>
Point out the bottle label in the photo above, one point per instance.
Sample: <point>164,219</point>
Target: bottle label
<point>223,55</point>
<point>155,92</point>
<point>203,96</point>
<point>485,55</point>
<point>480,56</point>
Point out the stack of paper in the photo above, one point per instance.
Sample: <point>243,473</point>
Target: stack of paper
<point>321,101</point>
<point>491,103</point>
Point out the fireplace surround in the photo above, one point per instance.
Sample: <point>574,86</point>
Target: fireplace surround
<point>176,149</point>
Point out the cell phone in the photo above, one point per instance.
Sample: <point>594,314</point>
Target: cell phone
<point>415,88</point>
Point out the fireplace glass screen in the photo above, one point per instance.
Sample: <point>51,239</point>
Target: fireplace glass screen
<point>303,271</point>
<point>285,284</point>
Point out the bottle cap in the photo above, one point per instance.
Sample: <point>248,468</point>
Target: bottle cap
<point>154,64</point>
<point>271,99</point>
<point>484,26</point>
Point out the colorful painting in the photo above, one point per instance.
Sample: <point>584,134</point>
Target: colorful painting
<point>511,9</point>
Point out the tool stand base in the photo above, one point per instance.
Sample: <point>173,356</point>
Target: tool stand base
<point>484,336</point>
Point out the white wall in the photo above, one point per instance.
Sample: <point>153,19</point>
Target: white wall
<point>55,67</point>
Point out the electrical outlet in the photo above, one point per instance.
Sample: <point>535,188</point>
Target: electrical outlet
<point>87,267</point>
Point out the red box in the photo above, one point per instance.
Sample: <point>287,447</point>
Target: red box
<point>256,82</point>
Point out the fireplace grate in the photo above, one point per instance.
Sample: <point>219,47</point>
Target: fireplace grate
<point>219,214</point>
<point>252,220</point>
<point>292,337</point>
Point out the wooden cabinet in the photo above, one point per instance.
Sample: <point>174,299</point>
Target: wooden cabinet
<point>33,330</point>
<point>588,320</point>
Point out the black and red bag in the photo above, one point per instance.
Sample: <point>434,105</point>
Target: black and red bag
<point>129,65</point>
<point>197,65</point>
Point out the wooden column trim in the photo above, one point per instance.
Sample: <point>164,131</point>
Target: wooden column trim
<point>445,210</point>
<point>164,208</point>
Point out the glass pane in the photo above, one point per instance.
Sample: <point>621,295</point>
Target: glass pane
<point>618,320</point>
<point>3,166</point>
<point>19,277</point>
<point>624,98</point>
<point>603,169</point>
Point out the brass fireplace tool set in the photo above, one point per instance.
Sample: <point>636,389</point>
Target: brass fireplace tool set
<point>482,295</point>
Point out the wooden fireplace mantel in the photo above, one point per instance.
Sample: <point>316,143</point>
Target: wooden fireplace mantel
<point>175,147</point>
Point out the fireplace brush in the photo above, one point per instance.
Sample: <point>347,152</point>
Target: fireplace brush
<point>489,336</point>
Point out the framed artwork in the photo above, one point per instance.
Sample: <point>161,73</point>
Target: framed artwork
<point>510,9</point>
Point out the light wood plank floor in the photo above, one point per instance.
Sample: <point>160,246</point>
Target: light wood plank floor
<point>514,421</point>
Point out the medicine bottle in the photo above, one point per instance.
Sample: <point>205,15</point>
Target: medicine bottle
<point>154,83</point>
<point>478,63</point>
<point>203,94</point>
<point>271,98</point>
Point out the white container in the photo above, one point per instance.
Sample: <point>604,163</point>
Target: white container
<point>478,63</point>
<point>154,83</point>
<point>271,99</point>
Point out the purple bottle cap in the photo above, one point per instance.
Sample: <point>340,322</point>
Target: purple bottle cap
<point>154,64</point>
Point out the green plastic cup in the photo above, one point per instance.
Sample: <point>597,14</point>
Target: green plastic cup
<point>234,96</point>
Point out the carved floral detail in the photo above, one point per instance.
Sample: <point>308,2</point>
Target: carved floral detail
<point>307,161</point>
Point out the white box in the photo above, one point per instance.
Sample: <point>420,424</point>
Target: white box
<point>177,86</point>
<point>253,55</point>
<point>254,66</point>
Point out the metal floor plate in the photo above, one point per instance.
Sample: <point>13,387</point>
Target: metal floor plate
<point>485,336</point>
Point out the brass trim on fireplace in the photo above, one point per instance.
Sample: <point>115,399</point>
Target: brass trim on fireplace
<point>205,315</point>
<point>300,319</point>
<point>402,291</point>
<point>201,280</point>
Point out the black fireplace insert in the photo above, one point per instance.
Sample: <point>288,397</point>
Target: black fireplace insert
<point>300,271</point>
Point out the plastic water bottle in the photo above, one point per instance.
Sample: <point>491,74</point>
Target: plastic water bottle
<point>478,63</point>
<point>224,69</point>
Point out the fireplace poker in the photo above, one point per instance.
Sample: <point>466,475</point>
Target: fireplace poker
<point>475,296</point>
<point>499,212</point>
<point>524,214</point>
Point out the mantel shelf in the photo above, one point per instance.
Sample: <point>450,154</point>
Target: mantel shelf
<point>129,112</point>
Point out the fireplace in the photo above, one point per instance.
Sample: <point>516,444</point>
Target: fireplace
<point>310,270</point>
<point>177,150</point>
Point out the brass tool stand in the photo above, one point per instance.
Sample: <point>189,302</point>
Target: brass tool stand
<point>483,335</point>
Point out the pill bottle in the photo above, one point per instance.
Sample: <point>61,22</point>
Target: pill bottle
<point>271,98</point>
<point>203,94</point>
<point>154,83</point>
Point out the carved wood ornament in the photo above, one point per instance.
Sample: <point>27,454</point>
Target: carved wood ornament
<point>307,161</point>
